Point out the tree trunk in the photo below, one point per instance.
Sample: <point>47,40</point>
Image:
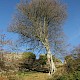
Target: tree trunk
<point>52,67</point>
<point>50,62</point>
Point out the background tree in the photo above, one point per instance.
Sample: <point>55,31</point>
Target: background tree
<point>43,59</point>
<point>27,61</point>
<point>15,46</point>
<point>39,22</point>
<point>76,51</point>
<point>76,55</point>
<point>3,43</point>
<point>73,60</point>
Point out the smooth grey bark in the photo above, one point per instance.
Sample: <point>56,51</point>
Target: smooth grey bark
<point>52,67</point>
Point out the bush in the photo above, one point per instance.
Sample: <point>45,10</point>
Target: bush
<point>28,55</point>
<point>2,65</point>
<point>28,59</point>
<point>43,59</point>
<point>72,64</point>
<point>70,76</point>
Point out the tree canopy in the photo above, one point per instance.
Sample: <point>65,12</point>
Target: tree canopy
<point>39,22</point>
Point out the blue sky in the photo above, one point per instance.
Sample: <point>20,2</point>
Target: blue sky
<point>71,26</point>
<point>7,10</point>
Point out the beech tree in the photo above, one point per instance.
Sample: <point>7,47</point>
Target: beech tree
<point>39,22</point>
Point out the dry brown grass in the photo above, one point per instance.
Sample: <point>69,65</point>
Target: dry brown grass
<point>3,78</point>
<point>26,76</point>
<point>36,76</point>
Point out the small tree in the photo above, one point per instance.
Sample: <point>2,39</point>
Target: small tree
<point>27,61</point>
<point>39,22</point>
<point>76,51</point>
<point>72,63</point>
<point>3,42</point>
<point>15,46</point>
<point>43,59</point>
<point>76,56</point>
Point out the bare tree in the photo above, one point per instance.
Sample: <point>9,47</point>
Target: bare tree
<point>3,42</point>
<point>39,22</point>
<point>14,46</point>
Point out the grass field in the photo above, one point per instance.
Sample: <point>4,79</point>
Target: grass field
<point>36,76</point>
<point>26,76</point>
